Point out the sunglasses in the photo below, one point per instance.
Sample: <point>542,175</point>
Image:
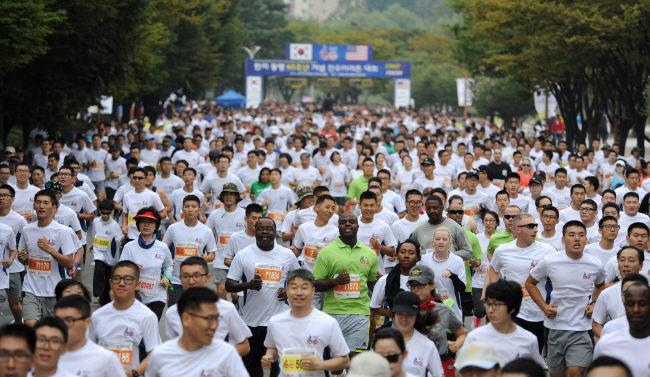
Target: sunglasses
<point>529,226</point>
<point>392,358</point>
<point>455,212</point>
<point>137,178</point>
<point>508,217</point>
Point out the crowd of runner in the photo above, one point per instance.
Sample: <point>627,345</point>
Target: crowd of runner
<point>301,243</point>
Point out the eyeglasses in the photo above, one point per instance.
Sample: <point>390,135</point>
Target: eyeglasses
<point>18,356</point>
<point>392,358</point>
<point>415,286</point>
<point>455,212</point>
<point>415,203</point>
<point>508,217</point>
<point>587,209</point>
<point>195,276</point>
<point>54,341</point>
<point>489,221</point>
<point>529,226</point>
<point>5,196</point>
<point>137,178</point>
<point>64,174</point>
<point>116,279</point>
<point>549,217</point>
<point>493,305</point>
<point>527,165</point>
<point>69,321</point>
<point>611,227</point>
<point>209,318</point>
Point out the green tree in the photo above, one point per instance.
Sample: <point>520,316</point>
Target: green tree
<point>508,97</point>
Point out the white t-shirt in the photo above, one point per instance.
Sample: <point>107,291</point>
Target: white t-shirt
<point>555,240</point>
<point>24,199</point>
<point>621,191</point>
<point>514,263</point>
<point>573,283</point>
<point>336,177</point>
<point>154,262</point>
<point>403,228</point>
<point>169,184</point>
<point>393,202</point>
<point>177,197</point>
<point>249,175</point>
<point>310,238</point>
<point>561,198</point>
<point>223,225</point>
<point>380,230</point>
<point>60,372</point>
<point>133,202</point>
<point>186,241</point>
<point>16,222</point>
<point>43,271</point>
<point>121,331</point>
<point>97,160</point>
<point>150,156</point>
<point>230,325</point>
<point>444,286</point>
<point>422,359</point>
<point>281,199</point>
<point>308,176</point>
<point>272,266</point>
<point>106,239</point>
<point>79,202</point>
<point>609,305</point>
<point>193,158</point>
<point>569,214</point>
<point>615,325</point>
<point>603,255</point>
<point>213,184</point>
<point>520,343</point>
<point>7,244</point>
<point>236,242</point>
<point>91,360</point>
<point>378,298</point>
<point>293,336</point>
<point>304,215</point>
<point>387,216</point>
<point>119,166</point>
<point>478,278</point>
<point>623,346</point>
<point>217,359</point>
<point>626,220</point>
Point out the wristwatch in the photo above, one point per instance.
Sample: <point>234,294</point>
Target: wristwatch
<point>135,373</point>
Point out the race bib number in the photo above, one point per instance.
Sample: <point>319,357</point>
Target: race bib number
<point>186,250</point>
<point>349,290</point>
<point>291,363</point>
<point>147,285</point>
<point>131,218</point>
<point>271,274</point>
<point>124,352</point>
<point>223,239</point>
<point>469,211</point>
<point>101,243</point>
<point>275,215</point>
<point>443,293</point>
<point>311,252</point>
<point>40,266</point>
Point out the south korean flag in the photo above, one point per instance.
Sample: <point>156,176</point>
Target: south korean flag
<point>300,51</point>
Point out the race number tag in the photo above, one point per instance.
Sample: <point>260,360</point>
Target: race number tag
<point>349,290</point>
<point>291,363</point>
<point>40,265</point>
<point>276,215</point>
<point>311,252</point>
<point>270,273</point>
<point>123,350</point>
<point>148,284</point>
<point>223,240</point>
<point>131,218</point>
<point>186,250</point>
<point>101,243</point>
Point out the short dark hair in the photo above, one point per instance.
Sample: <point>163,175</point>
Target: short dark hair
<point>75,302</point>
<point>591,203</point>
<point>610,191</point>
<point>630,171</point>
<point>50,194</point>
<point>55,323</point>
<point>601,222</point>
<point>20,331</point>
<point>191,198</point>
<point>508,292</point>
<point>301,273</point>
<point>637,225</point>
<point>367,195</point>
<point>593,181</point>
<point>573,223</point>
<point>576,186</point>
<point>412,192</point>
<point>525,366</point>
<point>502,192</point>
<point>631,194</point>
<point>106,205</point>
<point>560,170</point>
<point>410,241</point>
<point>149,169</point>
<point>539,199</point>
<point>192,298</point>
<point>610,205</point>
<point>65,283</point>
<point>190,169</point>
<point>325,197</point>
<point>11,190</point>
<point>434,198</point>
<point>513,175</point>
<point>607,361</point>
<point>390,333</point>
<point>195,261</point>
<point>253,208</point>
<point>320,189</point>
<point>551,208</point>
<point>634,277</point>
<point>127,264</point>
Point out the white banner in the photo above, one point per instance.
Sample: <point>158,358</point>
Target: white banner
<point>464,92</point>
<point>544,101</point>
<point>300,51</point>
<point>402,92</point>
<point>254,94</point>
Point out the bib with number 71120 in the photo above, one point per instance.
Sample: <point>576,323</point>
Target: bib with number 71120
<point>350,290</point>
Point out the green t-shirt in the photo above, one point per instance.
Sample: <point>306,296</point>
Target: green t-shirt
<point>497,239</point>
<point>357,186</point>
<point>476,254</point>
<point>360,262</point>
<point>258,187</point>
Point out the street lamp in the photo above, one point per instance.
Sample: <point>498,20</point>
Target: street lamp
<point>252,51</point>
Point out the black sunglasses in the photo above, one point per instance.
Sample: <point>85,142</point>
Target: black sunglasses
<point>392,358</point>
<point>529,226</point>
<point>455,212</point>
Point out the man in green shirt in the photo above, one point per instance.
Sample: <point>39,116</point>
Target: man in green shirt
<point>346,270</point>
<point>504,236</point>
<point>360,184</point>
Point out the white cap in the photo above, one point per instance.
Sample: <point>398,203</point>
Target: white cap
<point>369,364</point>
<point>479,355</point>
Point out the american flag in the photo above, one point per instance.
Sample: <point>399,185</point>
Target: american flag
<point>357,53</point>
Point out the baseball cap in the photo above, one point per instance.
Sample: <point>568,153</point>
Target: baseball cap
<point>541,175</point>
<point>406,302</point>
<point>620,162</point>
<point>54,186</point>
<point>10,149</point>
<point>472,174</point>
<point>428,162</point>
<point>478,355</point>
<point>150,137</point>
<point>482,169</point>
<point>114,148</point>
<point>535,181</point>
<point>421,274</point>
<point>369,364</point>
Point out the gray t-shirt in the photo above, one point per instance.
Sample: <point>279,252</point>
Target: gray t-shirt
<point>447,321</point>
<point>459,243</point>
